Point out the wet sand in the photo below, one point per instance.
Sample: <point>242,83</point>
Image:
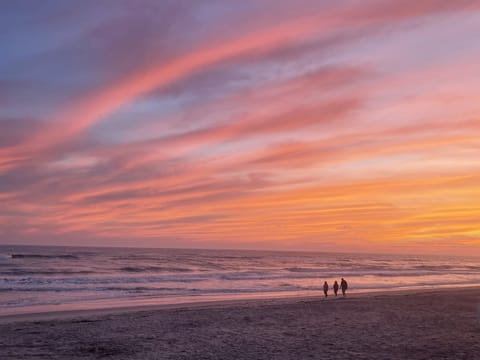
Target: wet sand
<point>434,324</point>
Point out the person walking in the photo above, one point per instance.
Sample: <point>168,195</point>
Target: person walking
<point>344,286</point>
<point>335,287</point>
<point>325,288</point>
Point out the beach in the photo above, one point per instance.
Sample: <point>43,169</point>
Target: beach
<point>427,324</point>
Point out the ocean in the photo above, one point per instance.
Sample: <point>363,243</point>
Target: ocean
<point>44,278</point>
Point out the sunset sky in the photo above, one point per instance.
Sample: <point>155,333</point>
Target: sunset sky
<point>305,125</point>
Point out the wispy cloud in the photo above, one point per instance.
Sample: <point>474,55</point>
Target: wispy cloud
<point>322,125</point>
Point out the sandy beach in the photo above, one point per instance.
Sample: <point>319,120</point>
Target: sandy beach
<point>434,324</point>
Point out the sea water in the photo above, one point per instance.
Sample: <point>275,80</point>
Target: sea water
<point>61,278</point>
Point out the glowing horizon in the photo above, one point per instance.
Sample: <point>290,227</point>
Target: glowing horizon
<point>303,125</point>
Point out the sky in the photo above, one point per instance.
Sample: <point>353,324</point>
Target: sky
<point>349,125</point>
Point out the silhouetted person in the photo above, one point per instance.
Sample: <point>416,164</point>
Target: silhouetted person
<point>335,287</point>
<point>325,288</point>
<point>344,286</point>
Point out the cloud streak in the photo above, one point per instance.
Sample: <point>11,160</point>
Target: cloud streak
<point>348,125</point>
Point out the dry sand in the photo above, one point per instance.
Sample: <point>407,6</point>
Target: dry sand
<point>440,324</point>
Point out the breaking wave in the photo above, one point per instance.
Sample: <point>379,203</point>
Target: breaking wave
<point>42,256</point>
<point>140,269</point>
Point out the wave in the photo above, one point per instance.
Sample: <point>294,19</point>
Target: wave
<point>304,270</point>
<point>353,268</point>
<point>42,256</point>
<point>138,269</point>
<point>91,289</point>
<point>22,272</point>
<point>433,267</point>
<point>472,267</point>
<point>171,291</point>
<point>94,280</point>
